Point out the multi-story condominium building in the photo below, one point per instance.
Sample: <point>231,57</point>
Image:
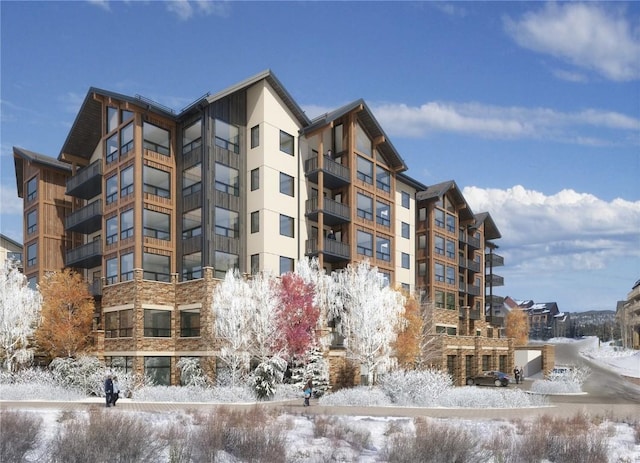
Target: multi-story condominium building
<point>10,251</point>
<point>155,206</point>
<point>628,316</point>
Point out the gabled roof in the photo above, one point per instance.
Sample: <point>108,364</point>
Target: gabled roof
<point>439,190</point>
<point>370,125</point>
<point>20,154</point>
<point>10,241</point>
<point>491,231</point>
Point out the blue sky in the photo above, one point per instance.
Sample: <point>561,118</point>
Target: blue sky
<point>533,108</point>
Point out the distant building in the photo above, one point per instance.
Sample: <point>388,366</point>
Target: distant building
<point>10,250</point>
<point>628,317</point>
<point>545,319</point>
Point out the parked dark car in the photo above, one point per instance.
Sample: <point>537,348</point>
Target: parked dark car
<point>489,378</point>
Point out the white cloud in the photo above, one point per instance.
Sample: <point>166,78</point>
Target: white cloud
<point>104,4</point>
<point>186,9</point>
<point>11,203</point>
<point>586,35</point>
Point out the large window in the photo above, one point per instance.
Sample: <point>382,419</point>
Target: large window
<point>363,143</point>
<point>126,267</point>
<point>126,182</point>
<point>422,269</point>
<point>32,188</point>
<point>286,184</point>
<point>451,275</point>
<point>156,182</point>
<point>158,369</point>
<point>192,266</point>
<point>451,249</point>
<point>439,245</point>
<point>451,223</point>
<point>226,223</point>
<point>422,241</point>
<point>255,221</point>
<point>422,214</point>
<point>156,225</point>
<point>406,230</point>
<point>112,119</point>
<point>439,299</point>
<point>223,262</point>
<point>126,323</point>
<point>286,143</point>
<point>227,136</point>
<point>155,138</point>
<point>227,180</point>
<point>255,136</point>
<point>111,271</point>
<point>111,148</point>
<point>192,180</point>
<point>439,218</point>
<point>439,268</point>
<point>111,189</point>
<point>286,265</point>
<point>286,226</point>
<point>189,323</point>
<point>255,263</point>
<point>383,214</point>
<point>192,137</point>
<point>406,262</point>
<point>32,221</point>
<point>157,323</point>
<point>156,267</point>
<point>383,179</point>
<point>365,243</point>
<point>365,170</point>
<point>112,229</point>
<point>364,207</point>
<point>406,199</point>
<point>32,254</point>
<point>126,139</point>
<point>192,223</point>
<point>451,301</point>
<point>255,179</point>
<point>111,324</point>
<point>383,249</point>
<point>126,224</point>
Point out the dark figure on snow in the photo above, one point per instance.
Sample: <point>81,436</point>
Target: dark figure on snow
<point>108,390</point>
<point>115,394</point>
<point>308,390</point>
<point>516,374</point>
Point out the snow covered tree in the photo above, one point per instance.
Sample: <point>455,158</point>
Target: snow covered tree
<point>407,345</point>
<point>266,338</point>
<point>430,341</point>
<point>370,316</point>
<point>232,310</point>
<point>67,314</point>
<point>516,326</point>
<point>19,315</point>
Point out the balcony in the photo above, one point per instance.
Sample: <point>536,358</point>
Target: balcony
<point>87,182</point>
<point>85,220</point>
<point>493,260</point>
<point>494,280</point>
<point>468,264</point>
<point>334,251</point>
<point>95,288</point>
<point>471,314</point>
<point>335,174</point>
<point>335,213</point>
<point>494,300</point>
<point>86,256</point>
<point>469,240</point>
<point>469,289</point>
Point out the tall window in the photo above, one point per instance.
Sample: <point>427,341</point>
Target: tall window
<point>365,243</point>
<point>383,249</point>
<point>190,323</point>
<point>255,136</point>
<point>406,230</point>
<point>125,115</point>
<point>439,299</point>
<point>126,139</point>
<point>192,180</point>
<point>192,223</point>
<point>286,265</point>
<point>192,137</point>
<point>383,214</point>
<point>156,225</point>
<point>406,200</point>
<point>158,369</point>
<point>192,266</point>
<point>32,221</point>
<point>286,143</point>
<point>111,189</point>
<point>422,214</point>
<point>255,179</point>
<point>439,245</point>
<point>365,170</point>
<point>255,221</point>
<point>439,268</point>
<point>451,249</point>
<point>286,184</point>
<point>111,271</point>
<point>286,226</point>
<point>422,269</point>
<point>383,179</point>
<point>365,207</point>
<point>363,143</point>
<point>32,254</point>
<point>111,324</point>
<point>227,180</point>
<point>451,301</point>
<point>338,131</point>
<point>32,188</point>
<point>126,267</point>
<point>126,323</point>
<point>157,323</point>
<point>112,229</point>
<point>126,224</point>
<point>112,118</point>
<point>226,223</point>
<point>223,262</point>
<point>227,136</point>
<point>126,182</point>
<point>156,182</point>
<point>255,263</point>
<point>155,138</point>
<point>156,267</point>
<point>451,275</point>
<point>111,148</point>
<point>451,223</point>
<point>406,263</point>
<point>439,218</point>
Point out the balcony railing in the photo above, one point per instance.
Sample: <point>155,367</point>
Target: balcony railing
<point>470,240</point>
<point>87,219</point>
<point>86,256</point>
<point>473,314</point>
<point>95,288</point>
<point>333,250</point>
<point>470,264</point>
<point>335,174</point>
<point>87,182</point>
<point>334,212</point>
<point>494,280</point>
<point>493,260</point>
<point>469,289</point>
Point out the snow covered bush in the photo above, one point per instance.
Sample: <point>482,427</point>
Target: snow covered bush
<point>191,373</point>
<point>85,374</point>
<point>359,396</point>
<point>565,382</point>
<point>415,387</point>
<point>266,376</point>
<point>471,397</point>
<point>35,383</point>
<point>20,434</point>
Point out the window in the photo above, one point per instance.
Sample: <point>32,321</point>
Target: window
<point>32,221</point>
<point>192,223</point>
<point>32,254</point>
<point>422,269</point>
<point>111,189</point>
<point>286,226</point>
<point>451,301</point>
<point>121,363</point>
<point>383,179</point>
<point>383,249</point>
<point>255,136</point>
<point>126,182</point>
<point>286,184</point>
<point>223,262</point>
<point>158,369</point>
<point>365,170</point>
<point>439,299</point>
<point>32,188</point>
<point>365,207</point>
<point>111,325</point>
<point>111,147</point>
<point>406,230</point>
<point>337,137</point>
<point>386,278</point>
<point>156,225</point>
<point>125,115</point>
<point>126,224</point>
<point>227,136</point>
<point>192,180</point>
<point>365,243</point>
<point>255,263</point>
<point>286,143</point>
<point>155,138</point>
<point>255,221</point>
<point>422,241</point>
<point>192,137</point>
<point>286,265</point>
<point>227,180</point>
<point>255,179</point>
<point>422,214</point>
<point>439,218</point>
<point>451,249</point>
<point>157,323</point>
<point>126,267</point>
<point>156,182</point>
<point>486,362</point>
<point>112,271</point>
<point>126,323</point>
<point>405,260</point>
<point>226,223</point>
<point>192,266</point>
<point>383,214</point>
<point>363,143</point>
<point>439,272</point>
<point>406,287</point>
<point>112,119</point>
<point>451,223</point>
<point>439,245</point>
<point>190,323</point>
<point>406,200</point>
<point>126,139</point>
<point>156,267</point>
<point>112,229</point>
